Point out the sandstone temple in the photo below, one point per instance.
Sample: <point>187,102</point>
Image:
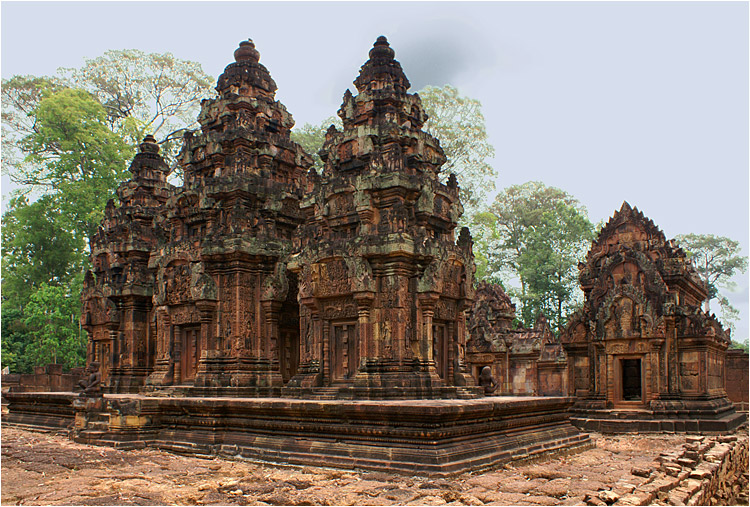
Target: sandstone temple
<point>643,353</point>
<point>265,310</point>
<point>259,274</point>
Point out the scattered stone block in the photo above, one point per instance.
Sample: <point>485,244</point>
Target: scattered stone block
<point>608,497</point>
<point>641,472</point>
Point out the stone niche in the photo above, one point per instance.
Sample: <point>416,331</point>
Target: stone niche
<point>524,362</point>
<point>642,355</point>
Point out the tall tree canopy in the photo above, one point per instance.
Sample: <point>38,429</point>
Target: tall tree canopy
<point>457,121</point>
<point>532,238</point>
<point>161,94</point>
<point>67,141</point>
<point>140,93</point>
<point>717,260</point>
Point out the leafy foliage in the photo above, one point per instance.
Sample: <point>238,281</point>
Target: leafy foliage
<point>717,259</point>
<point>311,138</point>
<point>16,338</point>
<point>66,143</point>
<point>458,123</point>
<point>151,92</point>
<point>37,249</point>
<point>535,235</point>
<point>51,317</point>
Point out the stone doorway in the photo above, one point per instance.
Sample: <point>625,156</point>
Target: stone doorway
<point>631,380</point>
<point>189,345</point>
<point>342,351</point>
<point>440,349</point>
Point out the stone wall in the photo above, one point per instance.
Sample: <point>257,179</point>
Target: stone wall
<point>704,471</point>
<point>737,378</point>
<point>48,378</point>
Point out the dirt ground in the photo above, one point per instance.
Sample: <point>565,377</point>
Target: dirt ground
<point>49,469</point>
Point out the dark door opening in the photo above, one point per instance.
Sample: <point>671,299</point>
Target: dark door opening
<point>189,352</point>
<point>631,379</point>
<point>440,349</point>
<point>289,354</point>
<point>343,359</point>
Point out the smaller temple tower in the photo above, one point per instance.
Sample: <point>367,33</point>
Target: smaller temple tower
<point>118,290</point>
<point>383,280</point>
<point>642,354</point>
<point>526,362</point>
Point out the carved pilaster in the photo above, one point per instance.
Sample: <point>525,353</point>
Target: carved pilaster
<point>364,304</point>
<point>272,310</point>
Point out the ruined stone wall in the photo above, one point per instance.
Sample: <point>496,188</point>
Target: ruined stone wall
<point>737,378</point>
<point>48,378</point>
<point>703,471</point>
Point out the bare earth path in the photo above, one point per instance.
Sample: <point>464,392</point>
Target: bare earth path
<point>49,469</point>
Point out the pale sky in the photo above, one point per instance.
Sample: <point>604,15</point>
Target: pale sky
<point>610,101</point>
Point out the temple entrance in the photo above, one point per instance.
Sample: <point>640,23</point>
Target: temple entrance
<point>631,379</point>
<point>342,351</point>
<point>440,349</point>
<point>189,343</point>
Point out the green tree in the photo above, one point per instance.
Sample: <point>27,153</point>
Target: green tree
<point>548,260</point>
<point>311,138</point>
<point>457,121</point>
<point>14,341</point>
<point>66,143</point>
<point>75,161</point>
<point>37,249</point>
<point>156,93</point>
<point>717,259</point>
<point>52,318</point>
<point>140,92</point>
<point>74,157</point>
<point>533,236</point>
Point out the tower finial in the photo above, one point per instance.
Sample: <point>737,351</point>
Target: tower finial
<point>381,49</point>
<point>246,52</point>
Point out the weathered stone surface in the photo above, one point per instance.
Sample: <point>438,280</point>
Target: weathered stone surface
<point>37,470</point>
<point>643,355</point>
<point>737,384</point>
<point>523,361</point>
<point>188,286</point>
<point>384,278</point>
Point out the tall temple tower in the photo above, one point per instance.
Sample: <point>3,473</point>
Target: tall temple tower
<point>224,312</point>
<point>189,286</point>
<point>383,284</point>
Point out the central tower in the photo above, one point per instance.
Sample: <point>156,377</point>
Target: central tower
<point>383,283</point>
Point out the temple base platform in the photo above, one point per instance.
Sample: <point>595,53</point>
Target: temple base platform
<point>427,437</point>
<point>707,416</point>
